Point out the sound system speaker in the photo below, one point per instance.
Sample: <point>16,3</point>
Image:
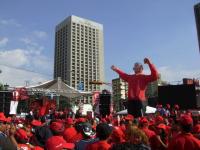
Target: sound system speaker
<point>183,95</point>
<point>104,104</point>
<point>197,18</point>
<point>5,98</point>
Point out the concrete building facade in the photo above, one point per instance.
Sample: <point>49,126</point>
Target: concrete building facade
<point>119,93</point>
<point>79,53</point>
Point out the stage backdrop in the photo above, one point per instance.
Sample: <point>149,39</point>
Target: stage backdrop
<point>183,95</point>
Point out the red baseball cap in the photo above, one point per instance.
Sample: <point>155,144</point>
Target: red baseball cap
<point>186,120</point>
<point>162,126</point>
<point>143,120</point>
<point>57,126</point>
<point>129,117</point>
<point>36,123</point>
<point>58,143</point>
<point>159,119</point>
<point>69,121</point>
<point>81,120</point>
<point>2,117</point>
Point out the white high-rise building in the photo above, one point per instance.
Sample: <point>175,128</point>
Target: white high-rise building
<point>79,53</point>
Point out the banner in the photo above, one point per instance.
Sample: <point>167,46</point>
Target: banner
<point>13,107</point>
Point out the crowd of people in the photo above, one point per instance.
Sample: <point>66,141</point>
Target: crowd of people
<point>169,128</point>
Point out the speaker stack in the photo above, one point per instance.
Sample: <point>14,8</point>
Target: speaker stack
<point>186,96</point>
<point>104,104</point>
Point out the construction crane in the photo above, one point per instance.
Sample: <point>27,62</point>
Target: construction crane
<point>100,83</point>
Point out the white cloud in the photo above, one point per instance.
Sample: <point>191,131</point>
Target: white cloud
<point>3,41</point>
<point>32,46</point>
<point>12,22</point>
<point>177,74</point>
<point>17,77</point>
<point>15,57</point>
<point>25,59</point>
<point>40,34</point>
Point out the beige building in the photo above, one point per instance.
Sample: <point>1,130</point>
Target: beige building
<point>79,53</point>
<point>119,93</point>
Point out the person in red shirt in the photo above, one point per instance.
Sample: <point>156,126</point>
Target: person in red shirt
<point>57,142</point>
<point>160,140</point>
<point>144,126</point>
<point>69,133</point>
<point>185,140</point>
<point>137,84</point>
<point>103,132</point>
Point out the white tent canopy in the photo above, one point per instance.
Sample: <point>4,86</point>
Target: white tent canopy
<point>149,110</point>
<point>58,87</point>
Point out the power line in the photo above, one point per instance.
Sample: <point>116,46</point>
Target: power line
<point>24,69</point>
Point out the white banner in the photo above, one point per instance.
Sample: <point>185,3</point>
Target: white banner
<point>13,107</point>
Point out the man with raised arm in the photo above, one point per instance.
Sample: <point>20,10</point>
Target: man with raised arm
<point>137,84</point>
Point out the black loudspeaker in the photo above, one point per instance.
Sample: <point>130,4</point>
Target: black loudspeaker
<point>104,104</point>
<point>183,95</point>
<point>5,98</point>
<point>197,18</point>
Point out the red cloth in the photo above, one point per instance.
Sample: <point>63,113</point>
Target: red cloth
<point>36,123</point>
<point>137,84</point>
<point>22,134</point>
<point>100,145</point>
<point>69,133</point>
<point>184,142</point>
<point>58,143</point>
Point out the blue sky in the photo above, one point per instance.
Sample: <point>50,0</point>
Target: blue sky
<point>164,31</point>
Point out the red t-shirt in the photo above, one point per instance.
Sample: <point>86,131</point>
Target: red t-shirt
<point>184,141</point>
<point>137,84</point>
<point>100,145</point>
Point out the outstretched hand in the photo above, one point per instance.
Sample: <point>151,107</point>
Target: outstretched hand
<point>146,61</point>
<point>113,67</point>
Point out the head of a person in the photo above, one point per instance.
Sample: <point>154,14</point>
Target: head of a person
<point>3,122</point>
<point>138,68</point>
<point>129,120</point>
<point>103,131</point>
<point>21,136</point>
<point>86,129</point>
<point>117,135</point>
<point>161,129</point>
<point>186,123</point>
<point>57,128</point>
<point>136,136</point>
<point>143,122</point>
<point>69,122</point>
